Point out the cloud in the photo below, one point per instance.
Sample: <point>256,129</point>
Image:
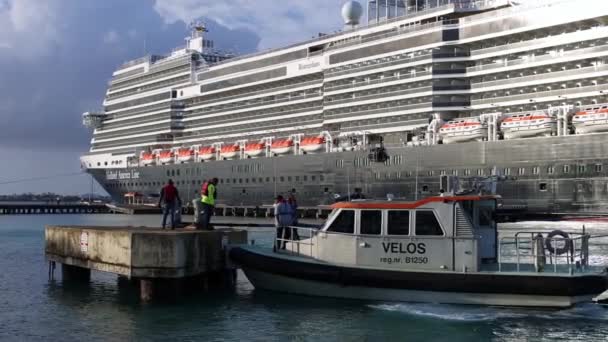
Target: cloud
<point>54,66</point>
<point>30,26</point>
<point>277,22</point>
<point>111,37</point>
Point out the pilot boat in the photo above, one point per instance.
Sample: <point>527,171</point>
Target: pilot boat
<point>438,250</point>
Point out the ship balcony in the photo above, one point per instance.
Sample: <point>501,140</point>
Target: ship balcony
<point>147,88</point>
<point>151,75</point>
<point>379,109</point>
<point>263,114</point>
<point>126,133</point>
<point>411,76</point>
<point>549,40</point>
<point>376,94</point>
<point>543,59</point>
<point>392,61</point>
<point>239,94</point>
<point>545,96</point>
<point>547,76</point>
<point>157,118</point>
<point>254,104</point>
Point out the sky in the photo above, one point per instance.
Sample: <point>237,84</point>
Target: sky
<point>56,57</point>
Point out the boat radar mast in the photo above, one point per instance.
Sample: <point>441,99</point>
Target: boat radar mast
<point>197,41</point>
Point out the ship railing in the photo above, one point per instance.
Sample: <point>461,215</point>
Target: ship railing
<point>540,58</point>
<point>295,240</point>
<point>601,88</point>
<point>542,251</point>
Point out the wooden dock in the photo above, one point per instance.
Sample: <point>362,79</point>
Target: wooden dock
<point>161,262</point>
<point>48,209</point>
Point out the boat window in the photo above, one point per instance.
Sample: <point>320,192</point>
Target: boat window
<point>427,224</point>
<point>344,223</point>
<point>398,222</point>
<point>371,222</point>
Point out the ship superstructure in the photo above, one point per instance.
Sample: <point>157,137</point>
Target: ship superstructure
<point>426,88</point>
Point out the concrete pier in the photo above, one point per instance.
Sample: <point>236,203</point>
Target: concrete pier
<point>160,262</point>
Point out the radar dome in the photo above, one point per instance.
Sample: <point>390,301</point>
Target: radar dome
<point>352,12</point>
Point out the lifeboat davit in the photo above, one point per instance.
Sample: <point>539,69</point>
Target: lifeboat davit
<point>166,157</point>
<point>185,155</point>
<point>206,153</point>
<point>148,158</point>
<point>312,144</point>
<point>230,151</point>
<point>282,146</point>
<point>462,130</point>
<point>591,119</point>
<point>525,125</point>
<point>255,149</point>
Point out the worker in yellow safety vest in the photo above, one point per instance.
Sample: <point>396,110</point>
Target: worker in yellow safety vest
<point>208,197</point>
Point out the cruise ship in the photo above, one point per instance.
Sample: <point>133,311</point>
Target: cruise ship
<point>516,90</point>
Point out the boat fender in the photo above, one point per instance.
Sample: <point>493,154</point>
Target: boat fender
<point>568,245</point>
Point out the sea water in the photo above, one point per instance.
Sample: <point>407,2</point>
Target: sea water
<point>34,308</point>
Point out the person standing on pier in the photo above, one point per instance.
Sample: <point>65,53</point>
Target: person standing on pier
<point>169,201</point>
<point>208,197</point>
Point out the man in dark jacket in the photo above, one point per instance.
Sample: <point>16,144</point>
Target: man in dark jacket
<point>169,201</point>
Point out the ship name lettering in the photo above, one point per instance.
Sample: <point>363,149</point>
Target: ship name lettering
<point>309,66</point>
<point>403,248</point>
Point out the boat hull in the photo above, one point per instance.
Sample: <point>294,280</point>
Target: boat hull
<point>297,275</point>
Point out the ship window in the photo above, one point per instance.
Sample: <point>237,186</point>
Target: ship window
<point>398,222</point>
<point>168,173</point>
<point>425,188</point>
<point>321,178</point>
<point>566,168</point>
<point>305,178</point>
<point>282,179</point>
<point>267,179</point>
<point>427,224</point>
<point>371,222</point>
<point>344,223</point>
<point>599,167</point>
<point>536,170</point>
<point>521,171</point>
<point>582,168</point>
<point>240,180</point>
<point>313,178</point>
<point>551,170</point>
<point>542,187</point>
<point>297,178</point>
<point>289,178</point>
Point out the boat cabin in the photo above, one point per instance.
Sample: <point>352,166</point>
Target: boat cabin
<point>455,233</point>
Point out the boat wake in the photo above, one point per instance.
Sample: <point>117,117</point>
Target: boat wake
<point>461,313</point>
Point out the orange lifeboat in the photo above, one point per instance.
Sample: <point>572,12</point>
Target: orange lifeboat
<point>185,155</point>
<point>206,152</point>
<point>526,125</point>
<point>230,151</point>
<point>463,129</point>
<point>148,158</point>
<point>166,157</point>
<point>282,146</point>
<point>312,144</point>
<point>254,149</point>
<point>591,119</point>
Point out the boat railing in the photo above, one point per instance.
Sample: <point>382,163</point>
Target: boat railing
<point>295,240</point>
<point>556,251</point>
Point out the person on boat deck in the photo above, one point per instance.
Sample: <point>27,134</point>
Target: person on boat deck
<point>208,198</point>
<point>283,218</point>
<point>293,206</point>
<point>169,201</point>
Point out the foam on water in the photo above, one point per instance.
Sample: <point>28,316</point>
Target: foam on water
<point>464,313</point>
